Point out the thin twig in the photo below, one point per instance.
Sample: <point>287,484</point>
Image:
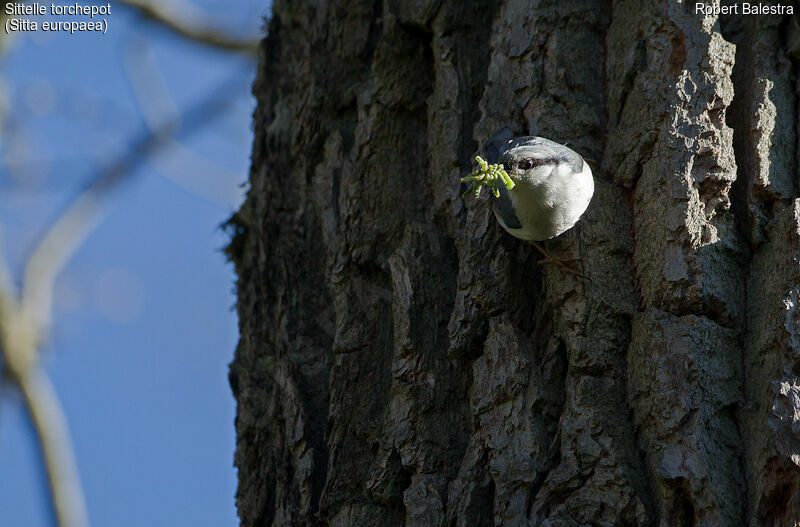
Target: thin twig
<point>187,22</point>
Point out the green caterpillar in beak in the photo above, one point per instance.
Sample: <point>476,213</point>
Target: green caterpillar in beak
<point>489,175</point>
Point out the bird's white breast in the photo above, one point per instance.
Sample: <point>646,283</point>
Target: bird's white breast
<point>552,204</point>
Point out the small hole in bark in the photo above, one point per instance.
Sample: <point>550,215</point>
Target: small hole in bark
<point>678,55</point>
<point>779,503</point>
<point>682,513</point>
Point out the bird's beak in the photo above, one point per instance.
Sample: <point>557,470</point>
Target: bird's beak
<point>510,173</point>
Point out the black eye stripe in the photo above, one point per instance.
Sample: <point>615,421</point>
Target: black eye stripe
<point>540,151</point>
<point>530,162</point>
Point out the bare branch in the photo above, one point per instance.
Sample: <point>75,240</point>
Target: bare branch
<point>19,339</point>
<point>23,323</point>
<point>52,431</point>
<point>198,174</point>
<point>6,285</point>
<point>25,316</point>
<point>149,87</point>
<point>186,21</point>
<point>71,228</point>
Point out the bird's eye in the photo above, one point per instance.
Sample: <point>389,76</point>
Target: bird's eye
<point>525,164</point>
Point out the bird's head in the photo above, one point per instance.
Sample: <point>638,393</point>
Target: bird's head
<point>533,161</point>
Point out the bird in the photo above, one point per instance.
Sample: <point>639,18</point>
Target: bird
<point>553,186</point>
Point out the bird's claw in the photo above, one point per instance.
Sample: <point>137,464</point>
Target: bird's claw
<point>558,262</point>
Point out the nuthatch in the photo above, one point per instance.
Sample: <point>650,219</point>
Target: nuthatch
<point>553,187</point>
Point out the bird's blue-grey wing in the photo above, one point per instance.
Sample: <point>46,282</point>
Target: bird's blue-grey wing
<point>505,209</point>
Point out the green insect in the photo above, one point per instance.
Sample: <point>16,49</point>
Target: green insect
<point>488,175</point>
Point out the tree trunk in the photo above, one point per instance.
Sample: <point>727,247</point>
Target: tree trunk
<point>404,361</point>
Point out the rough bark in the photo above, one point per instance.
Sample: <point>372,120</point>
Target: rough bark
<point>403,361</point>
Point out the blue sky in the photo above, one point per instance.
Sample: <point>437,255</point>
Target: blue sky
<point>144,326</point>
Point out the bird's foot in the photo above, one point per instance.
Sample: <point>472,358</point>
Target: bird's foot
<point>558,262</point>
